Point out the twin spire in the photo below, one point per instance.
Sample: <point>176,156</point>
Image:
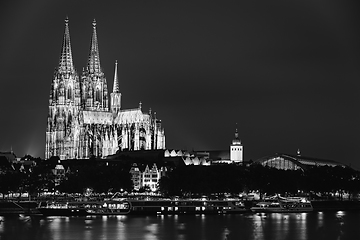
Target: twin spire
<point>66,61</point>
<point>94,56</point>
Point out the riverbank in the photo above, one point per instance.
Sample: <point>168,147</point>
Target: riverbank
<point>30,207</point>
<point>335,205</point>
<point>18,207</point>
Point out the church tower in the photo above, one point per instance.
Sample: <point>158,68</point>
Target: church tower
<point>236,149</point>
<point>64,105</point>
<point>94,86</point>
<point>115,96</point>
<point>81,124</point>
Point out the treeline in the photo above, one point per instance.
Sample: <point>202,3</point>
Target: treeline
<point>181,181</point>
<point>235,179</point>
<point>78,177</point>
<point>99,178</point>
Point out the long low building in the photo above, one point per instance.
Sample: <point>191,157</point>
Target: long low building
<point>295,162</point>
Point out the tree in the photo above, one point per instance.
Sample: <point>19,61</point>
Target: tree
<point>10,182</point>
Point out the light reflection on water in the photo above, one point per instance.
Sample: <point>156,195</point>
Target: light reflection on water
<point>1,225</point>
<point>296,226</point>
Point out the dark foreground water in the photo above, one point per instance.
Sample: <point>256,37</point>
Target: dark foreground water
<point>316,225</point>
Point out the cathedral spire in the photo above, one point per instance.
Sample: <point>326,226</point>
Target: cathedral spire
<point>95,94</point>
<point>115,96</point>
<point>236,133</point>
<point>236,140</point>
<point>66,62</point>
<point>116,81</point>
<point>94,56</point>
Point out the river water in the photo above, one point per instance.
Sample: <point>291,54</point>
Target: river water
<point>294,226</point>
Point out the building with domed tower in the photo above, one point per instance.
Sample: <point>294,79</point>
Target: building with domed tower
<point>81,123</point>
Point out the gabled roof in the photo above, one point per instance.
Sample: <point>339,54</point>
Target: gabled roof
<point>10,156</point>
<point>131,115</point>
<point>4,163</point>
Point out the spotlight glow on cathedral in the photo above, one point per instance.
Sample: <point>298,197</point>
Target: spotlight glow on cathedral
<point>81,124</point>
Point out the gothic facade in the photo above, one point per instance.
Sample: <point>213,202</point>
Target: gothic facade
<point>81,123</point>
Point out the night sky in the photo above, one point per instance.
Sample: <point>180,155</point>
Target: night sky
<point>286,72</point>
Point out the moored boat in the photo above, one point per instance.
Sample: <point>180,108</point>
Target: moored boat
<point>141,207</point>
<point>281,204</point>
<point>186,206</point>
<point>83,208</point>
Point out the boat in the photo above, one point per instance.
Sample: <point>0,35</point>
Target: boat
<point>278,204</point>
<point>185,206</point>
<point>84,208</point>
<point>141,207</point>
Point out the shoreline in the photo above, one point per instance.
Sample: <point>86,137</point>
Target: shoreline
<point>30,207</point>
<point>335,205</point>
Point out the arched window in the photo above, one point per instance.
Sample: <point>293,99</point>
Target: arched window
<point>61,90</point>
<point>90,92</point>
<point>69,118</point>
<point>98,95</point>
<point>69,93</point>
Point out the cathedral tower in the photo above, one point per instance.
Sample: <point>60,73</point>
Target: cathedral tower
<point>94,86</point>
<point>80,123</point>
<point>115,95</point>
<point>236,149</point>
<point>64,104</point>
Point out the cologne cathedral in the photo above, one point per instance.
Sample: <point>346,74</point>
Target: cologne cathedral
<point>82,124</point>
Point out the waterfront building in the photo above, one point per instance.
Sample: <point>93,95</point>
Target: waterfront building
<point>136,176</point>
<point>82,124</point>
<point>9,162</point>
<point>59,173</point>
<point>295,162</point>
<point>151,177</point>
<point>147,175</point>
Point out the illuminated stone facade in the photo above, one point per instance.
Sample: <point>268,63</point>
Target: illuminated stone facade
<point>236,149</point>
<point>81,123</point>
<point>147,176</point>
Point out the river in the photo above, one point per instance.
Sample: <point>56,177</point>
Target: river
<point>329,225</point>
